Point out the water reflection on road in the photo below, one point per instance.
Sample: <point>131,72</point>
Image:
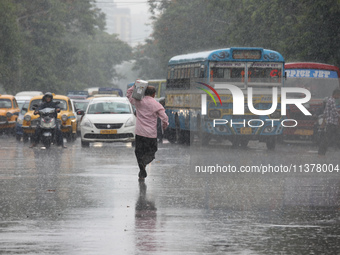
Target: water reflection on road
<point>88,201</point>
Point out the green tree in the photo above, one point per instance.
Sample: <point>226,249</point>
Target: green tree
<point>300,30</point>
<point>10,43</point>
<point>56,45</point>
<point>95,60</point>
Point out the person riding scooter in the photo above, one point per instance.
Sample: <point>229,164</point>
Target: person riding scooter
<point>47,102</point>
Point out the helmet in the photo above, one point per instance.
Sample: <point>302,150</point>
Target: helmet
<point>47,94</point>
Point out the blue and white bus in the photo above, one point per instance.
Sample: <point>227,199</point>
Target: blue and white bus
<point>209,72</point>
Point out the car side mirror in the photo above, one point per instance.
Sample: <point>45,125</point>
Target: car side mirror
<point>80,112</point>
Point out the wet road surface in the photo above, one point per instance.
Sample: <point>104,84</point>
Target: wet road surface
<point>89,201</point>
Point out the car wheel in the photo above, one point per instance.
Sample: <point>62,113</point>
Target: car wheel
<point>84,144</point>
<point>74,137</point>
<point>25,138</point>
<point>271,143</point>
<point>244,143</point>
<point>18,137</point>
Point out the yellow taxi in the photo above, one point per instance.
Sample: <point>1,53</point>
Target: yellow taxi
<point>9,112</point>
<point>66,117</point>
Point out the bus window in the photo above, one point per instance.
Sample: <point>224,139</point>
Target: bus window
<point>202,75</point>
<point>196,72</point>
<point>228,74</point>
<point>183,73</point>
<point>264,75</point>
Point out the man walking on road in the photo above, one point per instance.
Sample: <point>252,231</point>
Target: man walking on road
<point>331,120</point>
<point>147,112</point>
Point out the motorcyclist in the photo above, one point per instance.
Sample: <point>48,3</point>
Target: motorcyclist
<point>47,102</point>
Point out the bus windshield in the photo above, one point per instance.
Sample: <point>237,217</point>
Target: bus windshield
<point>319,88</point>
<point>251,73</point>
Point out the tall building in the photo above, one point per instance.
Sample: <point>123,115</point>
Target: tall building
<point>131,28</point>
<point>118,21</point>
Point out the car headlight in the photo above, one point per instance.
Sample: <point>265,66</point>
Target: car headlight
<point>27,117</point>
<point>64,117</point>
<point>130,122</point>
<point>9,114</point>
<point>86,123</point>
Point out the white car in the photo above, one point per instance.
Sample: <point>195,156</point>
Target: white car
<point>108,119</point>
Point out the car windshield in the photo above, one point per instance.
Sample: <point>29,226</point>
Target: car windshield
<point>81,105</point>
<point>5,103</point>
<point>62,104</point>
<point>109,108</point>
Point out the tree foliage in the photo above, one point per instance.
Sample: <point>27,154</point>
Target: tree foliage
<point>9,43</point>
<point>306,30</point>
<point>57,45</point>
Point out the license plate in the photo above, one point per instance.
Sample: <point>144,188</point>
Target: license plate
<point>303,132</point>
<point>246,131</point>
<point>108,131</point>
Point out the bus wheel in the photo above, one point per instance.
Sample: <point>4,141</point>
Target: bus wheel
<point>244,143</point>
<point>271,143</point>
<point>179,136</point>
<point>18,137</point>
<point>170,135</point>
<point>205,139</point>
<point>234,142</point>
<point>184,137</point>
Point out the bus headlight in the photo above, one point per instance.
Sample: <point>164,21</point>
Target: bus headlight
<point>9,114</point>
<point>268,129</point>
<point>214,114</point>
<point>27,117</point>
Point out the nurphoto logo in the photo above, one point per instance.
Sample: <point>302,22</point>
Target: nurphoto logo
<point>238,101</point>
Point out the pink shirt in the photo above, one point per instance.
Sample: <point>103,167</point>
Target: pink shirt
<point>147,111</point>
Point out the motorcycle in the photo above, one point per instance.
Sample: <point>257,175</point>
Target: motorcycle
<point>48,125</point>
